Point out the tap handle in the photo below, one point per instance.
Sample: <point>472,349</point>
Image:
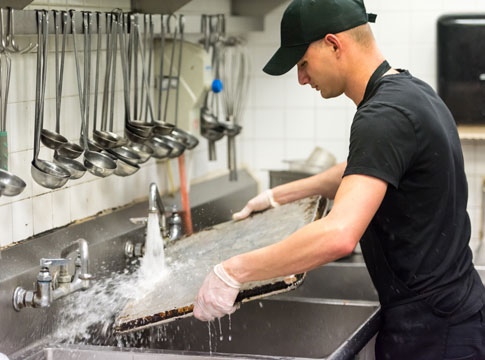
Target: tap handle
<point>47,263</point>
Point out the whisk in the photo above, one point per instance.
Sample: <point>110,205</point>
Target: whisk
<point>234,70</point>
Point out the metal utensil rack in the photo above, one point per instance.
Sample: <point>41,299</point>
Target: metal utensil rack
<point>25,23</point>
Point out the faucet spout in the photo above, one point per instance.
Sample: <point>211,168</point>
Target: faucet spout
<point>83,257</point>
<point>155,205</point>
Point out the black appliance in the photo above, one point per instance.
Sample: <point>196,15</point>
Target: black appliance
<point>461,66</point>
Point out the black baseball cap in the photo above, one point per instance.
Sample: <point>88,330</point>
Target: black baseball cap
<point>306,21</point>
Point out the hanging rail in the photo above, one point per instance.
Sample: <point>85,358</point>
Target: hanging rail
<point>25,23</point>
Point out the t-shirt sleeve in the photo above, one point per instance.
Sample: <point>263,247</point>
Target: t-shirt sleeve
<point>382,144</point>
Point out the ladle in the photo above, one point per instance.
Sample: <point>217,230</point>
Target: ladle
<point>139,123</point>
<point>45,173</point>
<point>135,134</point>
<point>10,184</point>
<point>76,169</point>
<point>124,158</point>
<point>123,167</point>
<point>143,151</point>
<point>103,138</point>
<point>97,163</point>
<point>188,140</point>
<point>51,139</point>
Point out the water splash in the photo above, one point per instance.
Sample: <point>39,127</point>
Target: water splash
<point>92,312</point>
<point>153,262</point>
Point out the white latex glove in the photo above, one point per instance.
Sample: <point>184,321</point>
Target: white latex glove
<point>258,203</point>
<point>3,357</point>
<point>217,295</point>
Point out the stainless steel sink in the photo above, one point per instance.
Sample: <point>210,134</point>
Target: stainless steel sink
<point>308,328</point>
<point>87,352</point>
<point>273,328</point>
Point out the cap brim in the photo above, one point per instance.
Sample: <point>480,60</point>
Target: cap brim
<point>284,59</point>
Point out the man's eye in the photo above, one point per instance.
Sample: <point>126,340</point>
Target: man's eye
<point>303,64</point>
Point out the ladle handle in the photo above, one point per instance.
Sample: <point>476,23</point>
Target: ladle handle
<point>113,70</point>
<point>3,150</point>
<point>160,85</point>
<point>149,101</point>
<point>84,138</point>
<point>171,67</point>
<point>124,69</point>
<point>37,126</point>
<point>96,75</point>
<point>44,64</point>
<point>181,31</point>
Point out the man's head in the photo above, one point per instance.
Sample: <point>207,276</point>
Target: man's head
<point>328,62</point>
<point>307,21</point>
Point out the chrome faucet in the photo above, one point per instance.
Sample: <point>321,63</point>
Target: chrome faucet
<point>46,290</point>
<point>169,233</point>
<point>155,205</point>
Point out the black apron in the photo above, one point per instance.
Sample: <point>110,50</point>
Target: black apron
<point>412,328</point>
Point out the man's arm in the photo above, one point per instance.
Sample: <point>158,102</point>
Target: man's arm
<point>320,242</point>
<point>325,183</point>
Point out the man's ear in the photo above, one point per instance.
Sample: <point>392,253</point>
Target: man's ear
<point>334,41</point>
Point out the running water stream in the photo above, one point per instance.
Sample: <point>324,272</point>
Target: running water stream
<point>91,313</point>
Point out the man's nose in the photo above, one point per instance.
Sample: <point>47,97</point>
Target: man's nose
<point>303,78</point>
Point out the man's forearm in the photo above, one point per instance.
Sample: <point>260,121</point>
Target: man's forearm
<point>313,245</point>
<point>325,184</point>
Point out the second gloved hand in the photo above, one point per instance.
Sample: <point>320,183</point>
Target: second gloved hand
<point>258,203</point>
<point>217,295</point>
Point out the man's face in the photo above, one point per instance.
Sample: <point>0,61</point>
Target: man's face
<point>319,68</point>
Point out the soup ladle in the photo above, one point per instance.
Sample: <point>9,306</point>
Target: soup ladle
<point>49,138</point>
<point>45,173</point>
<point>96,163</point>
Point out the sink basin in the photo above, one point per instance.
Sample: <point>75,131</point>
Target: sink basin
<point>304,327</point>
<point>87,352</point>
<point>275,328</point>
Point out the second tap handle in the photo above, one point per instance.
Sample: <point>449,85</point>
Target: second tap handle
<point>46,263</point>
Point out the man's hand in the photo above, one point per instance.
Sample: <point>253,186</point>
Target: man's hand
<point>258,203</point>
<point>217,295</point>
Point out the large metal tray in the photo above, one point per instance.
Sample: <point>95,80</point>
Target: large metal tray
<point>190,260</point>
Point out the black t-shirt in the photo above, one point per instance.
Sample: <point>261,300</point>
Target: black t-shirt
<point>417,243</point>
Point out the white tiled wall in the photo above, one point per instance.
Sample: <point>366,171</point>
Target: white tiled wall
<point>282,120</point>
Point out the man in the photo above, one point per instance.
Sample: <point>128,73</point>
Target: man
<point>402,193</point>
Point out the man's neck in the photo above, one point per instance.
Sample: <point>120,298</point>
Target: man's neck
<point>359,74</point>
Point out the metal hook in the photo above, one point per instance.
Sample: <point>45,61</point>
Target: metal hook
<point>175,29</point>
<point>11,43</point>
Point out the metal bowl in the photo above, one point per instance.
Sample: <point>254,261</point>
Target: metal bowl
<point>213,134</point>
<point>69,150</point>
<point>52,139</point>
<point>48,174</point>
<point>145,152</point>
<point>178,147</point>
<point>99,164</point>
<point>126,168</point>
<point>189,140</point>
<point>134,137</point>
<point>125,153</point>
<point>10,184</point>
<point>94,146</point>
<point>76,169</point>
<point>106,139</point>
<point>160,146</point>
<point>140,128</point>
<point>162,128</point>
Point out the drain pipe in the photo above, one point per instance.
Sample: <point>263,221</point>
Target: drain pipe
<point>185,195</point>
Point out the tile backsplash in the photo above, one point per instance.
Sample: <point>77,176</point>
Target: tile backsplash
<point>282,120</point>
